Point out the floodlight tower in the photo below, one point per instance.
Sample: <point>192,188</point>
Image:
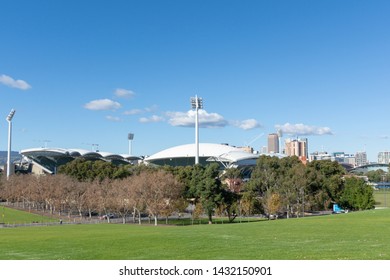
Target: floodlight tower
<point>197,103</point>
<point>130,137</point>
<point>9,120</point>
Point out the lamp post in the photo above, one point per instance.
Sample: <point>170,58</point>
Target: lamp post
<point>197,103</point>
<point>9,120</point>
<point>130,137</point>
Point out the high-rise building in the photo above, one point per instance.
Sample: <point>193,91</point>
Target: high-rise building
<point>340,157</point>
<point>273,143</point>
<point>361,158</point>
<point>384,157</point>
<point>297,147</point>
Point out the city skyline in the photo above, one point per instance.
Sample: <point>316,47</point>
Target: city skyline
<point>81,74</point>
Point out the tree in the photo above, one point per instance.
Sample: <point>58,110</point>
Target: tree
<point>357,195</point>
<point>104,196</point>
<point>277,178</point>
<point>377,176</point>
<point>85,170</point>
<point>158,190</point>
<point>272,203</point>
<point>294,189</point>
<point>249,202</point>
<point>122,200</point>
<point>265,175</point>
<point>91,204</point>
<point>325,182</point>
<point>233,179</point>
<point>210,190</point>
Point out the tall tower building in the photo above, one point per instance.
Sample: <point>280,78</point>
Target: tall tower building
<point>273,143</point>
<point>384,157</point>
<point>361,158</point>
<point>297,147</point>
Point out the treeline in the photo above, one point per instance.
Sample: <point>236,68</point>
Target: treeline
<point>277,187</point>
<point>98,189</point>
<point>288,186</point>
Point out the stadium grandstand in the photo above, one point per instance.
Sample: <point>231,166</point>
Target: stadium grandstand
<point>47,160</point>
<point>227,156</point>
<point>370,167</point>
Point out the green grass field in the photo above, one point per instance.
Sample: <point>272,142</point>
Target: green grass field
<point>382,198</point>
<point>12,216</point>
<point>359,235</point>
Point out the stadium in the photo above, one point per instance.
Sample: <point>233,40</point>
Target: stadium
<point>48,160</point>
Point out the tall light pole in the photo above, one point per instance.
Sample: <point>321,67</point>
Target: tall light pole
<point>197,103</point>
<point>130,137</point>
<point>9,120</point>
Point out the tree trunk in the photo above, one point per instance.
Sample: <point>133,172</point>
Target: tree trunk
<point>288,211</point>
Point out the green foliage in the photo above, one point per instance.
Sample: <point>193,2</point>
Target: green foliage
<point>315,186</point>
<point>325,181</point>
<point>357,195</point>
<point>85,170</point>
<point>209,189</point>
<point>378,176</point>
<point>203,185</point>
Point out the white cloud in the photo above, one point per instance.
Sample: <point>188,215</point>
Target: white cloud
<point>247,124</point>
<point>102,104</point>
<point>152,119</point>
<point>301,129</point>
<point>124,93</point>
<point>133,112</point>
<point>152,108</point>
<point>10,82</point>
<point>113,119</point>
<point>188,119</point>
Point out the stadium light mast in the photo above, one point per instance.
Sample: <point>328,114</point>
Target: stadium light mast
<point>9,120</point>
<point>197,103</point>
<point>130,137</point>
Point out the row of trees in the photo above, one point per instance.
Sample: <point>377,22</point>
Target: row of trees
<point>153,191</point>
<point>287,185</point>
<point>277,186</point>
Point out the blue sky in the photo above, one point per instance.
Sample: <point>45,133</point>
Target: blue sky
<point>89,72</point>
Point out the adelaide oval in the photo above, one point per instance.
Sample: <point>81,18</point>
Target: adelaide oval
<point>224,154</point>
<point>47,160</point>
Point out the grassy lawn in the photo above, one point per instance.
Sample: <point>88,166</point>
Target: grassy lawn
<point>382,198</point>
<point>12,216</point>
<point>360,235</point>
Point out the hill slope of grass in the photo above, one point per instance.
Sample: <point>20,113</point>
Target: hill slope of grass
<point>364,235</point>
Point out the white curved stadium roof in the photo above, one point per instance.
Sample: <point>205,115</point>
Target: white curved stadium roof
<point>228,156</point>
<point>185,155</point>
<point>189,150</point>
<point>50,158</point>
